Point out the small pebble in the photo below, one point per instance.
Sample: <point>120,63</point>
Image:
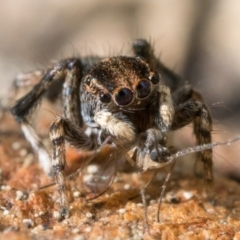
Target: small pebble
<point>5,188</point>
<point>75,230</point>
<point>137,237</point>
<point>5,212</point>
<point>37,229</point>
<point>79,237</point>
<point>39,214</point>
<point>187,195</point>
<point>223,221</point>
<point>122,210</point>
<point>88,229</point>
<point>89,215</point>
<point>16,146</point>
<point>28,222</point>
<point>23,152</point>
<point>76,194</point>
<point>56,215</point>
<point>19,195</point>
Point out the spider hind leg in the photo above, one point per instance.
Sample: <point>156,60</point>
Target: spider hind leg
<point>190,107</point>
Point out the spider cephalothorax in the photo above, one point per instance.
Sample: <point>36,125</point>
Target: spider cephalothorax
<point>124,88</point>
<point>118,101</point>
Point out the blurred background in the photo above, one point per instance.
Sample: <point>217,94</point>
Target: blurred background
<point>199,40</point>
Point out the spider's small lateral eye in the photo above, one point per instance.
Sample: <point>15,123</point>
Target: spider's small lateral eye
<point>88,80</point>
<point>155,78</point>
<point>105,97</point>
<point>124,96</point>
<point>143,89</point>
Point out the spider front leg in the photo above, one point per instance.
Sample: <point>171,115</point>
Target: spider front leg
<point>26,106</point>
<point>191,108</point>
<point>152,143</point>
<point>67,129</point>
<point>63,130</point>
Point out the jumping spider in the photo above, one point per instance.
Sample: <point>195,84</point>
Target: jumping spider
<point>118,101</point>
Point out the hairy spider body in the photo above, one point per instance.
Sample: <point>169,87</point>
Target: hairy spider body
<point>118,101</point>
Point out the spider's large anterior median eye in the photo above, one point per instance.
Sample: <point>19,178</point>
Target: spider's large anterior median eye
<point>155,78</point>
<point>143,89</point>
<point>124,96</point>
<point>105,97</point>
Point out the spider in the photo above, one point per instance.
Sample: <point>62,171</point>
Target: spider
<point>128,103</point>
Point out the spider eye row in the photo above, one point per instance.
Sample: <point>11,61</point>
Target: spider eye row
<point>125,96</point>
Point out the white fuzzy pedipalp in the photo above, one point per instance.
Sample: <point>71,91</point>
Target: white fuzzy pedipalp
<point>115,126</point>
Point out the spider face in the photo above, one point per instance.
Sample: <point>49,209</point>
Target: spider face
<point>119,84</point>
